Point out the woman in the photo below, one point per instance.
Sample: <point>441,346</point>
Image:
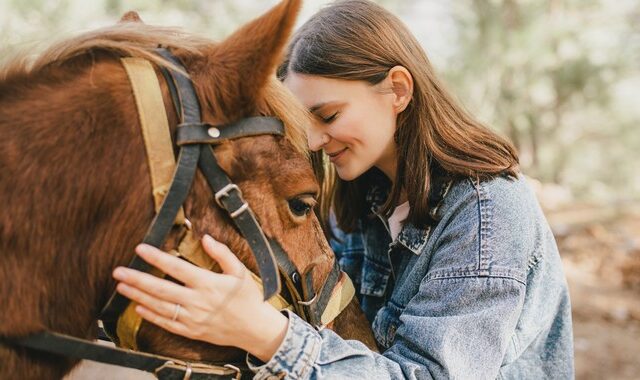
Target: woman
<point>454,263</point>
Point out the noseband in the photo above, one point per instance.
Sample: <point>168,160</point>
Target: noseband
<point>171,183</point>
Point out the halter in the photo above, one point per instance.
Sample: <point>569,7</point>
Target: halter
<point>171,183</point>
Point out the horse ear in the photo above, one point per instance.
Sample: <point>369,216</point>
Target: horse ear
<point>131,16</point>
<point>250,55</point>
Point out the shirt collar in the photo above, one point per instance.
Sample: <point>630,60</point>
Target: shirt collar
<point>411,237</point>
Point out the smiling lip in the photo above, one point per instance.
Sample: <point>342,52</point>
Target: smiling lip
<point>335,156</point>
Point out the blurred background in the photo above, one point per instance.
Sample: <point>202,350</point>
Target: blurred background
<point>561,78</point>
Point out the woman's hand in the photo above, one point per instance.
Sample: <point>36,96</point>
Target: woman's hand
<point>224,309</point>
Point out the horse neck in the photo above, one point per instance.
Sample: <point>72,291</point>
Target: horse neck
<point>75,194</point>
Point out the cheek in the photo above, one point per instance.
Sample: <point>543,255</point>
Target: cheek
<point>371,130</point>
<point>353,128</point>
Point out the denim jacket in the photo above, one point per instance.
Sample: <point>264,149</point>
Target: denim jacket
<point>480,295</point>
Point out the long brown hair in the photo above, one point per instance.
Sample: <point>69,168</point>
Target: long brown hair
<point>359,40</point>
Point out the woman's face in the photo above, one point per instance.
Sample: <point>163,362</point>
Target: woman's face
<point>354,122</point>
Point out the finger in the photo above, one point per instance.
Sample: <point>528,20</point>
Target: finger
<point>221,253</point>
<point>158,287</point>
<point>158,306</point>
<point>175,327</point>
<point>171,265</point>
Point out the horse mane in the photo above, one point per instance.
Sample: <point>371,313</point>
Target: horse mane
<point>136,39</point>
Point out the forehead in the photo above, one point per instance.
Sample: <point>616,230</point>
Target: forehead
<point>313,90</point>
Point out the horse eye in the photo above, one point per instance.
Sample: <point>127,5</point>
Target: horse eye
<point>299,207</point>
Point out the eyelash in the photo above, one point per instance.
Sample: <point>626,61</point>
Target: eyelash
<point>330,119</point>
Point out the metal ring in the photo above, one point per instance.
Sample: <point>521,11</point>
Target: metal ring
<point>165,364</point>
<point>310,302</point>
<point>187,374</point>
<point>176,312</point>
<point>232,367</point>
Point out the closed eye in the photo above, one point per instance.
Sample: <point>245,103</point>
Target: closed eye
<point>330,119</point>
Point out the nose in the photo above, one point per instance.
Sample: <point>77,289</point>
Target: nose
<point>316,139</point>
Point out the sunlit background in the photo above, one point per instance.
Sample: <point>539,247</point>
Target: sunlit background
<point>561,78</point>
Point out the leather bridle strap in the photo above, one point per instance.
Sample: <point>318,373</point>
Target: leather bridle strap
<point>250,126</point>
<point>164,368</point>
<point>154,126</point>
<point>319,309</point>
<point>228,195</point>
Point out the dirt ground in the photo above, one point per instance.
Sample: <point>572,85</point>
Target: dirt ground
<point>600,249</point>
<point>601,260</point>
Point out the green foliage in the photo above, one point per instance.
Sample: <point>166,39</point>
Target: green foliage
<point>561,78</point>
<point>550,74</point>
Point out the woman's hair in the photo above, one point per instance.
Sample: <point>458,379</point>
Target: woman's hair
<point>359,40</point>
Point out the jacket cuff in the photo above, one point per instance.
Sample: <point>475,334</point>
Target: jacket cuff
<point>296,355</point>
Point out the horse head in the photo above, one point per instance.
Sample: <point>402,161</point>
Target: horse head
<point>76,177</point>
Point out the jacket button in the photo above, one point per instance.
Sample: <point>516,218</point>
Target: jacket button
<point>392,332</point>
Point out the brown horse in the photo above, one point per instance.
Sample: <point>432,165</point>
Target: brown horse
<point>75,189</point>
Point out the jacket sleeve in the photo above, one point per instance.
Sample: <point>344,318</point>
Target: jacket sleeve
<point>439,337</point>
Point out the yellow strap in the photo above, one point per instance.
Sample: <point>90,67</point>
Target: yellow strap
<point>155,127</point>
<point>129,322</point>
<point>340,298</point>
<point>277,300</point>
<point>159,148</point>
<point>127,328</point>
<point>191,249</point>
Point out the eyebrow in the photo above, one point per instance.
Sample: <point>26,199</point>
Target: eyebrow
<point>320,105</point>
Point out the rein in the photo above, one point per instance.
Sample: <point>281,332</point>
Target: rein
<point>171,183</point>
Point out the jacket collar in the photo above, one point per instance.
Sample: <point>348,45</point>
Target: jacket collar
<point>411,237</point>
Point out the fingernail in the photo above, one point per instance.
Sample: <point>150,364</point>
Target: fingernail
<point>140,248</point>
<point>208,239</point>
<point>120,273</point>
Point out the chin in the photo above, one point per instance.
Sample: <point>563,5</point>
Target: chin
<point>348,174</point>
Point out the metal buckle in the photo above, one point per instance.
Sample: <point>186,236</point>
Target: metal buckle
<point>232,367</point>
<point>187,373</point>
<point>224,192</point>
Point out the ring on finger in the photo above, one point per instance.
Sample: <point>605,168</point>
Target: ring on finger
<point>176,312</point>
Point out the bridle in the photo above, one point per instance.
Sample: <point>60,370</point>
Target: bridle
<point>196,140</point>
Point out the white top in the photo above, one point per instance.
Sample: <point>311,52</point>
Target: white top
<point>396,220</point>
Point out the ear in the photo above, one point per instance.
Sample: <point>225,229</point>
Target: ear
<point>243,62</point>
<point>401,82</point>
<point>131,16</point>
